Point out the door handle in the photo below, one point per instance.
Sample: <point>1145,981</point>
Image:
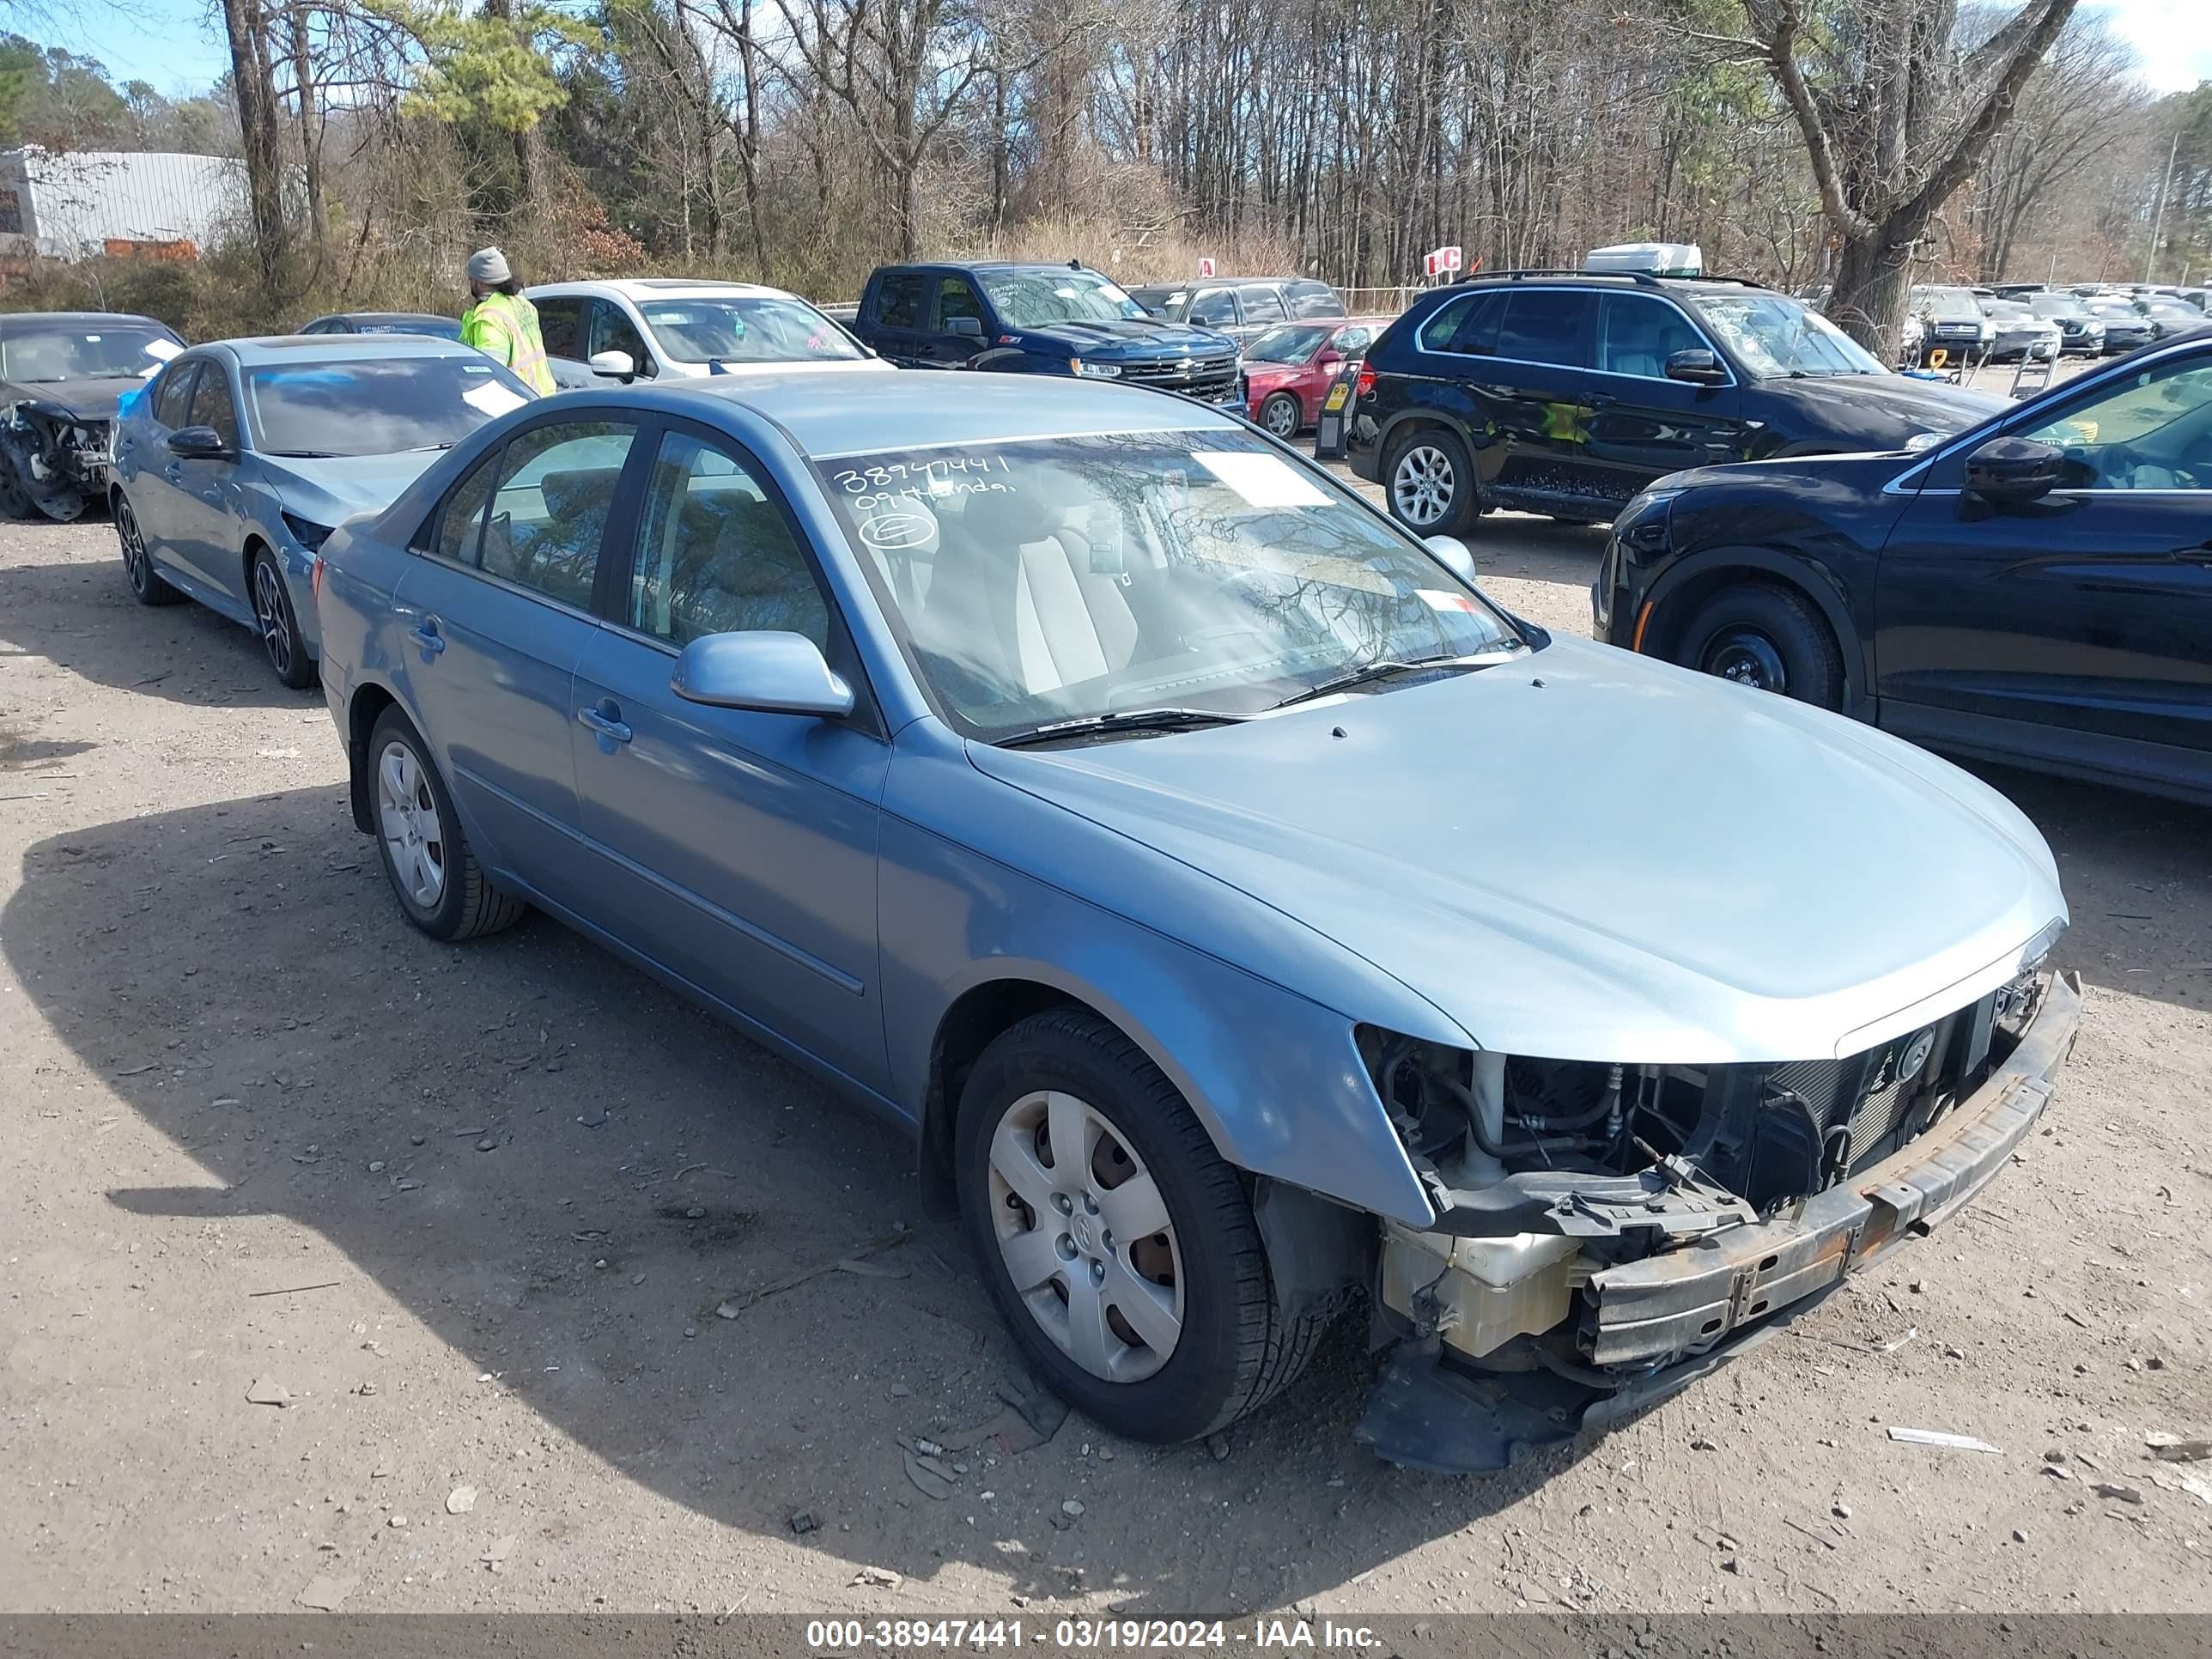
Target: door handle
<point>606,720</point>
<point>427,639</point>
<point>173,473</point>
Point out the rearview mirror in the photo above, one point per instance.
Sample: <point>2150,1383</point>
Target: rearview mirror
<point>767,672</point>
<point>970,328</point>
<point>616,365</point>
<point>199,443</point>
<point>1696,365</point>
<point>2012,472</point>
<point>1452,553</point>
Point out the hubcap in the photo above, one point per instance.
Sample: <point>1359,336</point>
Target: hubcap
<point>407,818</point>
<point>1746,657</point>
<point>1421,486</point>
<point>1084,1231</point>
<point>269,611</point>
<point>1282,417</point>
<point>134,545</point>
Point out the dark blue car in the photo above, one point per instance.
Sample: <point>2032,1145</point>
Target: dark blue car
<point>1040,319</point>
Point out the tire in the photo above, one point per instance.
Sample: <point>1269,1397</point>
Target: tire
<point>1233,1350</point>
<point>462,903</point>
<point>1428,483</point>
<point>15,500</point>
<point>145,582</point>
<point>1769,638</point>
<point>1282,416</point>
<point>274,621</point>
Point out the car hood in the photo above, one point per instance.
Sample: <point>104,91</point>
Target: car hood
<point>1131,342</point>
<point>1885,409</point>
<point>330,490</point>
<point>1586,854</point>
<point>89,399</point>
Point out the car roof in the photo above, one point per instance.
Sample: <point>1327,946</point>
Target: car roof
<point>388,316</point>
<point>658,287</point>
<point>12,321</point>
<point>831,415</point>
<point>336,348</point>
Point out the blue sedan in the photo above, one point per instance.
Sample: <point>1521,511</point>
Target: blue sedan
<point>236,461</point>
<point>1244,914</point>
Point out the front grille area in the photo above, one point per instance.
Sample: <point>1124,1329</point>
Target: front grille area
<point>1212,379</point>
<point>1865,1096</point>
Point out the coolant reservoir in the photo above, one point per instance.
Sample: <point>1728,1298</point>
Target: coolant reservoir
<point>1487,1290</point>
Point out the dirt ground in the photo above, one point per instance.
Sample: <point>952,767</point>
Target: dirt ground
<point>469,1211</point>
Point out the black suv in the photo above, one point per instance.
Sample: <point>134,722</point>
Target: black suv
<point>2037,590</point>
<point>1566,392</point>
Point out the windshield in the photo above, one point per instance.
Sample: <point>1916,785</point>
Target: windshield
<point>1169,303</point>
<point>1289,343</point>
<point>375,406</point>
<point>1772,336</point>
<point>1948,305</point>
<point>2112,308</point>
<point>41,353</point>
<point>765,328</point>
<point>1056,579</point>
<point>1041,296</point>
<point>2057,305</point>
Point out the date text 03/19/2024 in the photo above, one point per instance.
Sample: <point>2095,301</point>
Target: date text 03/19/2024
<point>1262,1634</point>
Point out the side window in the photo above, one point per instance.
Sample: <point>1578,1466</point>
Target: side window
<point>1466,325</point>
<point>560,323</point>
<point>1353,341</point>
<point>459,536</point>
<point>955,297</point>
<point>549,512</point>
<point>1262,305</point>
<point>1313,299</point>
<point>2154,431</point>
<point>1636,334</point>
<point>211,405</point>
<point>612,331</point>
<point>1550,326</point>
<point>1214,305</point>
<point>174,396</point>
<point>902,298</point>
<point>715,555</point>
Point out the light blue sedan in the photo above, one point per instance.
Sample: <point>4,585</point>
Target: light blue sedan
<point>235,462</point>
<point>1246,916</point>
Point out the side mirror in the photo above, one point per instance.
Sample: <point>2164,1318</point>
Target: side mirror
<point>2012,472</point>
<point>1452,554</point>
<point>1327,357</point>
<point>199,443</point>
<point>1696,365</point>
<point>768,673</point>
<point>616,365</point>
<point>968,328</point>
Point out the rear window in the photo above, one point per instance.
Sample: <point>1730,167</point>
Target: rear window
<point>379,406</point>
<point>1467,325</point>
<point>901,299</point>
<point>1313,299</point>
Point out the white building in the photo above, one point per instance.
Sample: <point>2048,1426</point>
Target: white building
<point>75,204</point>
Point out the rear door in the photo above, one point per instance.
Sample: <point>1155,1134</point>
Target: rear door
<point>2078,627</point>
<point>896,310</point>
<point>1642,424</point>
<point>494,614</point>
<point>736,849</point>
<point>1537,389</point>
<point>561,322</point>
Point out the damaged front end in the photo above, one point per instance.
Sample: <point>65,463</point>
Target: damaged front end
<point>56,460</point>
<point>1605,1233</point>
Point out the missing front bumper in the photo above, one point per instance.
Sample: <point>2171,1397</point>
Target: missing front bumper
<point>1685,1312</point>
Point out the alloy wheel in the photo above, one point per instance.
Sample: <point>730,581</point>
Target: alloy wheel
<point>1083,1229</point>
<point>1280,416</point>
<point>1422,485</point>
<point>270,616</point>
<point>407,818</point>
<point>135,565</point>
<point>1747,656</point>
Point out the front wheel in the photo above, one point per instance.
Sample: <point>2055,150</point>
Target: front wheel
<point>434,875</point>
<point>1770,639</point>
<point>1282,416</point>
<point>1119,1245</point>
<point>275,620</point>
<point>1429,480</point>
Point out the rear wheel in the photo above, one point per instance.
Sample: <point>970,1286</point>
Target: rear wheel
<point>1770,639</point>
<point>1429,480</point>
<point>146,583</point>
<point>434,875</point>
<point>1281,415</point>
<point>1117,1243</point>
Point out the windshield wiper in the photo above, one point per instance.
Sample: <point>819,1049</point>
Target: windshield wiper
<point>303,454</point>
<point>1125,719</point>
<point>1389,668</point>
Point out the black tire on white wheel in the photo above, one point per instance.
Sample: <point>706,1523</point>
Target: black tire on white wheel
<point>1184,1333</point>
<point>440,886</point>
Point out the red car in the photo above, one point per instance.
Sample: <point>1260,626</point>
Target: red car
<point>1288,370</point>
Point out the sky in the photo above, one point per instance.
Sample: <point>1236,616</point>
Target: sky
<point>173,44</point>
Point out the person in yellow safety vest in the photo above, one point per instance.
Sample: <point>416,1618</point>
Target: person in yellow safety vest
<point>502,324</point>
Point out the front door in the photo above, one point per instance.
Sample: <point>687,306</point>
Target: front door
<point>737,849</point>
<point>202,527</point>
<point>1642,424</point>
<point>2079,625</point>
<point>494,613</point>
<point>155,474</point>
